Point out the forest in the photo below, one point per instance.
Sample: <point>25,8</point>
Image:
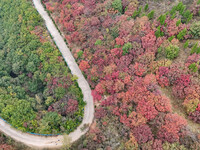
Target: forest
<point>38,93</point>
<point>141,58</point>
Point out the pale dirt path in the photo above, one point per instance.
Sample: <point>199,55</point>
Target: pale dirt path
<point>40,142</point>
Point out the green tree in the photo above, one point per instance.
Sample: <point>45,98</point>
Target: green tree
<point>126,48</point>
<point>50,122</point>
<point>19,113</point>
<point>60,92</point>
<point>30,67</point>
<point>117,5</point>
<point>172,51</point>
<point>181,34</point>
<point>151,14</point>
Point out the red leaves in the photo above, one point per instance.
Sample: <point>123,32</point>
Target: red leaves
<point>172,28</point>
<point>96,96</point>
<point>49,6</point>
<point>149,41</point>
<point>162,104</point>
<point>95,21</point>
<point>140,69</point>
<point>181,83</point>
<point>134,119</point>
<point>162,76</point>
<point>143,134</point>
<point>183,80</point>
<point>119,41</point>
<point>198,108</point>
<point>69,26</point>
<point>171,130</point>
<point>6,147</point>
<point>163,71</point>
<point>100,88</point>
<point>100,113</point>
<point>147,109</point>
<point>194,58</point>
<point>72,106</point>
<point>195,116</point>
<point>120,82</point>
<point>118,86</point>
<point>84,65</point>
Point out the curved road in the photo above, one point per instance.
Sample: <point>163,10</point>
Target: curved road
<point>40,142</point>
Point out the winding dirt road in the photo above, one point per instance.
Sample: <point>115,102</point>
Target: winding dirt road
<point>40,142</point>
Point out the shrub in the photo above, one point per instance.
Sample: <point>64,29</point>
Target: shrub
<point>117,5</point>
<point>173,146</point>
<point>128,46</point>
<point>137,13</point>
<point>115,32</point>
<point>178,22</point>
<point>186,44</point>
<point>147,109</point>
<point>162,19</point>
<point>195,29</point>
<point>193,67</point>
<point>151,15</point>
<point>143,134</point>
<point>187,16</point>
<point>146,7</point>
<point>162,76</point>
<point>195,116</point>
<point>149,42</point>
<point>171,130</point>
<point>60,92</point>
<point>84,65</point>
<point>172,51</point>
<point>171,38</point>
<point>80,53</point>
<point>195,49</point>
<point>159,33</point>
<point>181,34</point>
<point>191,102</point>
<point>180,7</point>
<point>98,42</point>
<point>191,105</point>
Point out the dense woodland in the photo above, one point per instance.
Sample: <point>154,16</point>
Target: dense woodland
<point>38,93</point>
<point>141,59</point>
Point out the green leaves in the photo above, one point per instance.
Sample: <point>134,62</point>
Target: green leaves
<point>60,92</point>
<point>126,48</point>
<point>19,113</point>
<point>98,42</point>
<point>159,33</point>
<point>50,122</point>
<point>186,44</point>
<point>162,19</point>
<point>193,67</point>
<point>137,13</point>
<point>195,49</point>
<point>195,29</point>
<point>151,15</point>
<point>117,5</point>
<point>172,51</point>
<point>181,34</point>
<point>28,66</point>
<point>146,7</point>
<point>181,8</point>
